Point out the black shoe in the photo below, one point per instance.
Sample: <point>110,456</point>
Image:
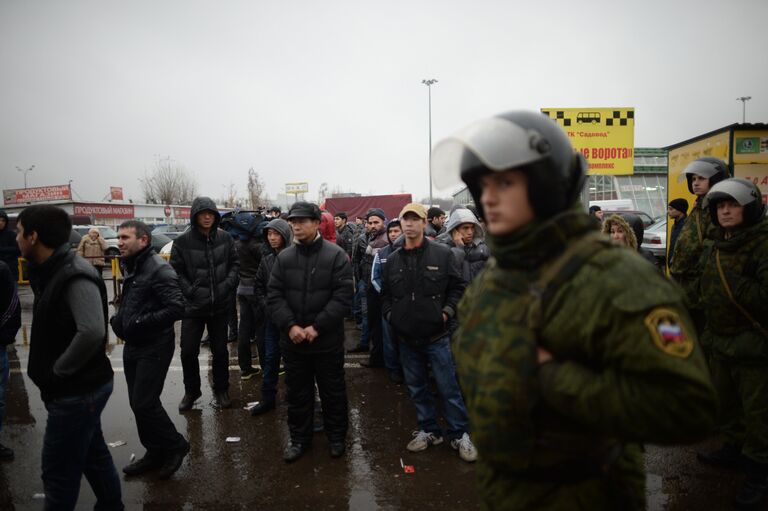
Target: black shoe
<point>358,349</point>
<point>141,466</point>
<point>262,407</point>
<point>337,449</point>
<point>396,378</point>
<point>232,338</point>
<point>249,373</point>
<point>188,400</point>
<point>729,455</point>
<point>294,452</point>
<point>6,453</point>
<point>371,365</point>
<point>172,462</point>
<point>222,399</point>
<point>751,494</point>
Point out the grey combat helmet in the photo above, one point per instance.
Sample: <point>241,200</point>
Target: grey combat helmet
<point>526,141</point>
<point>742,191</point>
<point>708,167</point>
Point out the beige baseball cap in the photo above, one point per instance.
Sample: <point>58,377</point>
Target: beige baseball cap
<point>414,207</point>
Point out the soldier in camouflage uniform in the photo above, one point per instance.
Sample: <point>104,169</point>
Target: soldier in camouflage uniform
<point>734,292</point>
<point>572,351</point>
<point>696,234</point>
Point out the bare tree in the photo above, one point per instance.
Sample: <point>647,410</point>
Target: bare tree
<point>168,183</point>
<point>322,193</point>
<point>230,197</point>
<point>256,189</point>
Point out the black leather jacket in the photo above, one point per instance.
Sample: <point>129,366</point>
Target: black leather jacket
<point>151,301</point>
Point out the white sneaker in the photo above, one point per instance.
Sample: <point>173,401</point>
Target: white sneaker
<point>422,440</point>
<point>466,448</point>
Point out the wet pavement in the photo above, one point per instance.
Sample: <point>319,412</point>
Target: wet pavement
<point>250,474</point>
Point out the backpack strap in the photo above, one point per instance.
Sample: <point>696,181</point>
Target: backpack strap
<point>559,272</point>
<point>729,293</point>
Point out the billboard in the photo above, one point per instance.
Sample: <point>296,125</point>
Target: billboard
<point>297,188</point>
<point>40,194</point>
<point>116,192</point>
<point>605,136</point>
<point>104,210</point>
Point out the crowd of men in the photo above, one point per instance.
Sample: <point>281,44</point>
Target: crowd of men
<point>554,360</point>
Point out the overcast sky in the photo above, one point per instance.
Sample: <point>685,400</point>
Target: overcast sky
<point>331,91</point>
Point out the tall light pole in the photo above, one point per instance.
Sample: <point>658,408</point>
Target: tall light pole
<point>744,100</point>
<point>25,171</point>
<point>429,83</point>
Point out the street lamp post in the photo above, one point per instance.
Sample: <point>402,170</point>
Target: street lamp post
<point>25,171</point>
<point>429,83</point>
<point>744,100</point>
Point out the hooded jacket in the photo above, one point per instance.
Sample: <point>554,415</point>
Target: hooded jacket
<point>9,249</point>
<point>629,232</point>
<point>265,268</point>
<point>471,257</point>
<point>207,265</point>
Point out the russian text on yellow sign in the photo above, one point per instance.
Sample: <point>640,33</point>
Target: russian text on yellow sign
<point>605,136</point>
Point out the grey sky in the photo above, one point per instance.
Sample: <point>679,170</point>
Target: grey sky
<point>330,91</point>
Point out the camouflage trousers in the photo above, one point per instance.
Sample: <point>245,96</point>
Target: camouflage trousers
<point>743,394</point>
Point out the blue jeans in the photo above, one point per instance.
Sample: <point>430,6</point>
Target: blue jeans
<point>271,363</point>
<point>414,360</point>
<point>4,373</point>
<point>391,348</point>
<point>362,290</point>
<point>74,446</point>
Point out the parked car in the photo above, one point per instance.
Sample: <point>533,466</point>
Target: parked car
<point>171,231</point>
<point>655,238</point>
<point>645,217</point>
<point>159,241</point>
<point>109,235</point>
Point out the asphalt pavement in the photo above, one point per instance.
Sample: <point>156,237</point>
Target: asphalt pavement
<point>250,473</point>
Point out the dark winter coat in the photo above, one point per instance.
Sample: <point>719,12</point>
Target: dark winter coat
<point>676,228</point>
<point>345,238</point>
<point>207,266</point>
<point>472,257</point>
<point>418,286</point>
<point>151,300</point>
<point>54,328</point>
<point>249,253</point>
<point>265,268</point>
<point>9,249</point>
<point>311,285</point>
<point>10,308</point>
<point>365,252</point>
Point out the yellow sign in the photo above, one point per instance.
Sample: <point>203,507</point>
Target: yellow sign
<point>680,157</point>
<point>605,136</point>
<point>297,188</point>
<point>757,173</point>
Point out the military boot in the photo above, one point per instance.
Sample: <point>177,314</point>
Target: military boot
<point>727,456</point>
<point>755,487</point>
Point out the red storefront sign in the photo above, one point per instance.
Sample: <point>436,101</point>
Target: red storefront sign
<point>39,194</point>
<point>181,212</point>
<point>105,210</point>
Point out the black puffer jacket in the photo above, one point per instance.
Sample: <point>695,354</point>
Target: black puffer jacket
<point>418,286</point>
<point>311,285</point>
<point>9,249</point>
<point>151,300</point>
<point>345,238</point>
<point>207,265</point>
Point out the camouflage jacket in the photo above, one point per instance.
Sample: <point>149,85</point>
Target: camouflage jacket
<point>626,370</point>
<point>744,261</point>
<point>694,238</point>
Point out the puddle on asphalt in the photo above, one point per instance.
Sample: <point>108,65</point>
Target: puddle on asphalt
<point>654,491</point>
